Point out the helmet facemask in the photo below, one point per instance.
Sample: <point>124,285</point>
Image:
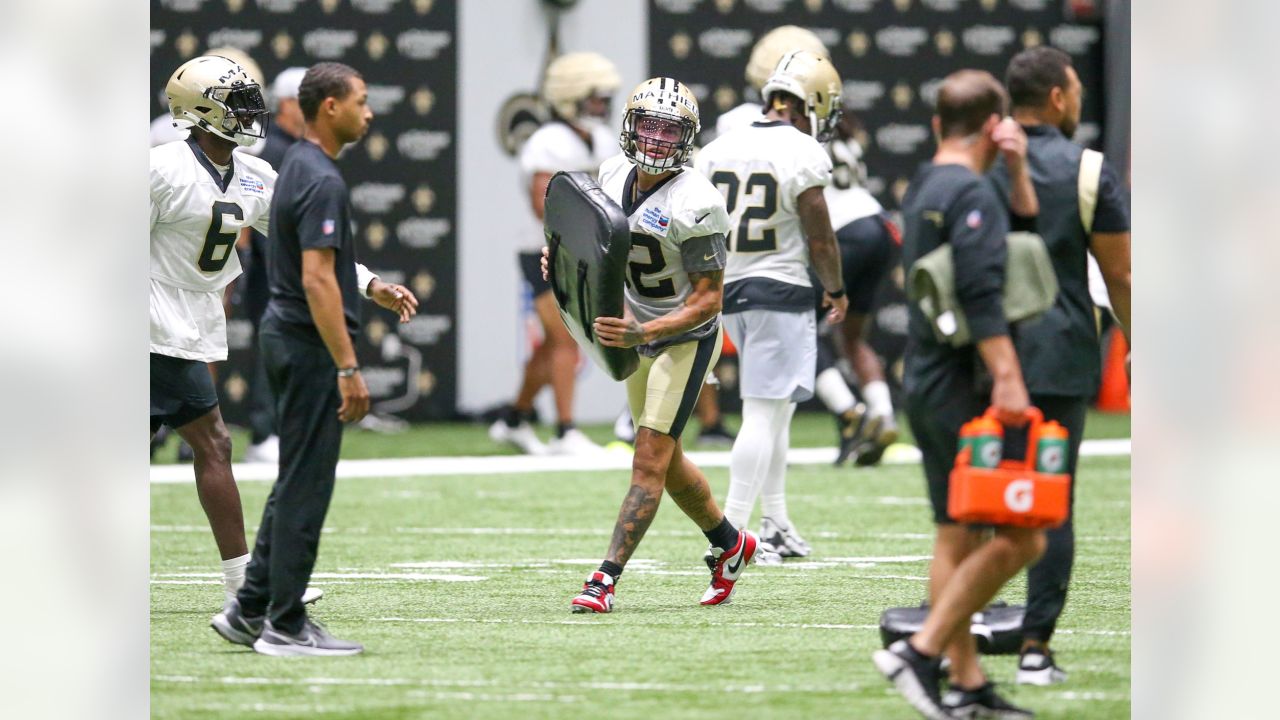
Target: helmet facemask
<point>239,113</point>
<point>657,142</point>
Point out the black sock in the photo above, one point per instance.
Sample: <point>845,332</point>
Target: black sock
<point>511,417</point>
<point>562,428</point>
<point>612,569</point>
<point>723,536</point>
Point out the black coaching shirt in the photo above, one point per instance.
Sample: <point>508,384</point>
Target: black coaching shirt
<point>310,210</point>
<point>952,204</point>
<point>1059,351</point>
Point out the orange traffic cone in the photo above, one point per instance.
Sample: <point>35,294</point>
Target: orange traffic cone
<point>1113,396</point>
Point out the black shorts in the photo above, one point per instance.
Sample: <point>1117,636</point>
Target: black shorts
<point>866,257</point>
<point>181,391</point>
<point>531,268</point>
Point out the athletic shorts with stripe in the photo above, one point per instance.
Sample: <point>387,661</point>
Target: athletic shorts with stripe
<point>663,391</point>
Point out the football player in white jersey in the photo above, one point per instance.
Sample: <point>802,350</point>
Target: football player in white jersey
<point>578,87</point>
<point>765,55</point>
<point>673,299</point>
<point>201,197</point>
<point>772,174</point>
<point>867,239</point>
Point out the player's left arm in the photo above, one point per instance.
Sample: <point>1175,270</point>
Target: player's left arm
<point>811,206</point>
<point>704,258</point>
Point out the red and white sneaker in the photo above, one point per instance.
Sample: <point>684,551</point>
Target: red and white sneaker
<point>729,567</point>
<point>596,595</point>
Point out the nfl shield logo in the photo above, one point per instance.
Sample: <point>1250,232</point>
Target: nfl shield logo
<point>328,227</point>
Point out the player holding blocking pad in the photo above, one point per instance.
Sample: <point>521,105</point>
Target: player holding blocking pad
<point>673,297</point>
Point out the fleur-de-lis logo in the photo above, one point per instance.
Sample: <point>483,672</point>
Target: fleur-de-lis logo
<point>681,44</point>
<point>423,285</point>
<point>423,100</point>
<point>858,43</point>
<point>424,198</point>
<point>376,235</point>
<point>945,41</point>
<point>282,45</point>
<point>376,145</point>
<point>186,44</point>
<point>376,44</point>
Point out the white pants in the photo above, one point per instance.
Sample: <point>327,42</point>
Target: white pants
<point>777,353</point>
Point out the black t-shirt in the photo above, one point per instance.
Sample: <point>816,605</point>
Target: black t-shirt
<point>1059,351</point>
<point>310,210</point>
<point>951,204</point>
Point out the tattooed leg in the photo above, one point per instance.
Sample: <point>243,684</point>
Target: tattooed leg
<point>688,487</point>
<point>648,476</point>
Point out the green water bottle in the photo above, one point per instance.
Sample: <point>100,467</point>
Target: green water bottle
<point>1051,448</point>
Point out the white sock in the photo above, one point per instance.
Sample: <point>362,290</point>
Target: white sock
<point>233,574</point>
<point>878,400</point>
<point>833,392</point>
<point>752,456</point>
<point>774,496</point>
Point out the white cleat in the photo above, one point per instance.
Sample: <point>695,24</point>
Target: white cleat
<point>267,451</point>
<point>521,436</point>
<point>573,443</point>
<point>783,540</point>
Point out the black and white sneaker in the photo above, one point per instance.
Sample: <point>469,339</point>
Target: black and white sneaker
<point>982,703</point>
<point>782,539</point>
<point>849,427</point>
<point>1036,667</point>
<point>915,676</point>
<point>313,640</point>
<point>234,626</point>
<point>876,435</point>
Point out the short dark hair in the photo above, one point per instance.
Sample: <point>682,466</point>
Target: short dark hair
<point>965,101</point>
<point>1034,73</point>
<point>324,80</point>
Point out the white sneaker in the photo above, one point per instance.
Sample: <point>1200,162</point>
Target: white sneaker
<point>623,428</point>
<point>267,451</point>
<point>521,436</point>
<point>573,443</point>
<point>783,540</point>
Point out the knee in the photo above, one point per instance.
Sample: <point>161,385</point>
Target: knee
<point>214,447</point>
<point>1021,548</point>
<point>648,471</point>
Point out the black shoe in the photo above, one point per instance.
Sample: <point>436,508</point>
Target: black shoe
<point>849,427</point>
<point>312,640</point>
<point>235,627</point>
<point>915,676</point>
<point>717,435</point>
<point>982,703</point>
<point>1037,667</point>
<point>876,437</point>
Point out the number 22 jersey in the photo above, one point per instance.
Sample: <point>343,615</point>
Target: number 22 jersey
<point>197,212</point>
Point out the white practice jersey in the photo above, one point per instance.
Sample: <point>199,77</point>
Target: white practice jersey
<point>684,207</point>
<point>555,147</point>
<point>739,117</point>
<point>847,199</point>
<point>761,170</point>
<point>196,217</point>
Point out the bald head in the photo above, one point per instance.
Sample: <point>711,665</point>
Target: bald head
<point>966,100</point>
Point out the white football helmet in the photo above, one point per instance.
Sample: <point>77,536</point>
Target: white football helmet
<point>659,125</point>
<point>813,80</point>
<point>573,78</point>
<point>771,46</point>
<point>218,95</point>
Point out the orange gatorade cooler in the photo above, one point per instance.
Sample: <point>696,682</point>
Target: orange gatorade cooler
<point>1010,492</point>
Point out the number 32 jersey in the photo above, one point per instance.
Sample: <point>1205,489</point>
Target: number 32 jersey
<point>197,213</point>
<point>761,169</point>
<point>663,222</point>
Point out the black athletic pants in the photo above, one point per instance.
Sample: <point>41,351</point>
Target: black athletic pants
<point>1048,579</point>
<point>304,382</point>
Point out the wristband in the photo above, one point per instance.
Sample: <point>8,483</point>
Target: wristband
<point>348,372</point>
<point>837,294</point>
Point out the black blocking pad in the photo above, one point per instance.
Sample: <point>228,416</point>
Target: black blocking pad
<point>590,240</point>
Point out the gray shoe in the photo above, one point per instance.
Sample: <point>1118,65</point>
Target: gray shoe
<point>313,640</point>
<point>232,624</point>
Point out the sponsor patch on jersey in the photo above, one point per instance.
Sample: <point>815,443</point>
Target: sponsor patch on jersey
<point>973,219</point>
<point>328,226</point>
<point>653,219</point>
<point>249,183</point>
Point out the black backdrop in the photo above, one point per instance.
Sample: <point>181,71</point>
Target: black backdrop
<point>402,175</point>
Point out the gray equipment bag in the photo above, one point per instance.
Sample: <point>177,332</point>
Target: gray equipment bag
<point>998,628</point>
<point>590,240</point>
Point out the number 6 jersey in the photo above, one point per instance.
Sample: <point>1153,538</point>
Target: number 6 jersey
<point>197,212</point>
<point>677,227</point>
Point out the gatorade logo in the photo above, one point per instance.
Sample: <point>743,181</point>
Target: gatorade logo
<point>1051,459</point>
<point>990,454</point>
<point>1019,495</point>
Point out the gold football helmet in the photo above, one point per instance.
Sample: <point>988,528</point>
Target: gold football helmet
<point>771,46</point>
<point>813,80</point>
<point>573,78</point>
<point>659,125</point>
<point>218,95</point>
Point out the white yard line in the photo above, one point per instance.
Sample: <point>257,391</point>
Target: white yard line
<point>523,464</point>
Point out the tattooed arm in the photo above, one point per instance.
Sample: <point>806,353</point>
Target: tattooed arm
<point>703,303</point>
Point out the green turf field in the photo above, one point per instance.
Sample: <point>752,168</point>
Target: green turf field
<point>459,587</point>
